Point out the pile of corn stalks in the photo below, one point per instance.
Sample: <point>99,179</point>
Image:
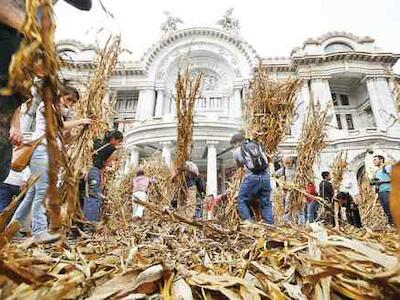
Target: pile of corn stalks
<point>166,256</point>
<point>187,90</point>
<point>311,143</point>
<point>338,167</point>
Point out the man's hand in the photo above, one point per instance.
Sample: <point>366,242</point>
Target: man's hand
<point>23,186</point>
<point>11,15</point>
<point>15,130</point>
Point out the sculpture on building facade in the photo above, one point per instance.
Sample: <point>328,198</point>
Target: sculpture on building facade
<point>170,25</point>
<point>229,23</point>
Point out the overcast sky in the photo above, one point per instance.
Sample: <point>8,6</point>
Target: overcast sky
<point>272,27</point>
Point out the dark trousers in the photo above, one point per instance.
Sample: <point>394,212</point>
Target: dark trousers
<point>7,192</point>
<point>93,202</point>
<point>9,43</point>
<point>255,186</point>
<point>384,200</point>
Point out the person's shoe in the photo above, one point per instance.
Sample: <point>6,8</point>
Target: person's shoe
<point>247,222</point>
<point>46,238</point>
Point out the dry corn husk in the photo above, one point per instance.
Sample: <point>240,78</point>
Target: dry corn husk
<point>269,109</point>
<point>207,258</point>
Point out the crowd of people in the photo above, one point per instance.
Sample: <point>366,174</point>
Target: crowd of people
<point>328,206</point>
<point>322,204</point>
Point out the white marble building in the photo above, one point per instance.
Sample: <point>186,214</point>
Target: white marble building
<point>346,73</point>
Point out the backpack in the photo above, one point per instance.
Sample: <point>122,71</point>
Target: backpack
<point>253,156</point>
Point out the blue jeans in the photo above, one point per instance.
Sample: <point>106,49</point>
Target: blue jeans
<point>384,200</point>
<point>7,192</point>
<point>312,209</point>
<point>255,186</point>
<point>198,213</point>
<point>92,201</point>
<point>34,199</point>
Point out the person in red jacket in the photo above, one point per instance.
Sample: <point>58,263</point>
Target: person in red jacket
<point>311,203</point>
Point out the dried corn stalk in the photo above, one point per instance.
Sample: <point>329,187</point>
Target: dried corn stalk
<point>94,106</point>
<point>39,41</point>
<point>269,112</point>
<point>338,167</point>
<point>270,109</point>
<point>370,210</point>
<point>158,193</point>
<point>231,214</point>
<point>187,90</point>
<point>311,142</point>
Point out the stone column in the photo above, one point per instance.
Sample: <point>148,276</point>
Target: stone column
<point>159,104</point>
<point>235,106</point>
<point>382,102</point>
<point>212,181</point>
<point>146,103</point>
<point>166,153</point>
<point>321,92</point>
<point>303,100</point>
<point>134,157</point>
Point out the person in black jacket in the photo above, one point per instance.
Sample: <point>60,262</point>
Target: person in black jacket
<point>326,192</point>
<point>12,17</point>
<point>344,203</point>
<point>103,149</point>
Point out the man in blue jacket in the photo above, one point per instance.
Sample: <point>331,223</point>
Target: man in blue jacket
<point>383,185</point>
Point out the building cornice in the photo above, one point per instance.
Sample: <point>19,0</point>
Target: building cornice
<point>334,34</point>
<point>388,58</point>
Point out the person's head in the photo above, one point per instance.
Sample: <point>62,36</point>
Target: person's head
<point>288,162</point>
<point>140,172</point>
<point>68,96</point>
<point>114,138</point>
<point>342,197</point>
<point>379,160</point>
<point>38,66</point>
<point>237,139</point>
<point>326,175</point>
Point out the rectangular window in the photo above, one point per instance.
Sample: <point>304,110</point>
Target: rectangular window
<point>127,100</point>
<point>334,99</point>
<point>344,99</point>
<point>339,122</point>
<point>349,122</point>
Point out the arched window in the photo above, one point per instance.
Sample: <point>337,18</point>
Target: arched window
<point>338,47</point>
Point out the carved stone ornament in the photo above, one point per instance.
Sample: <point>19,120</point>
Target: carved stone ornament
<point>229,23</point>
<point>170,25</point>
